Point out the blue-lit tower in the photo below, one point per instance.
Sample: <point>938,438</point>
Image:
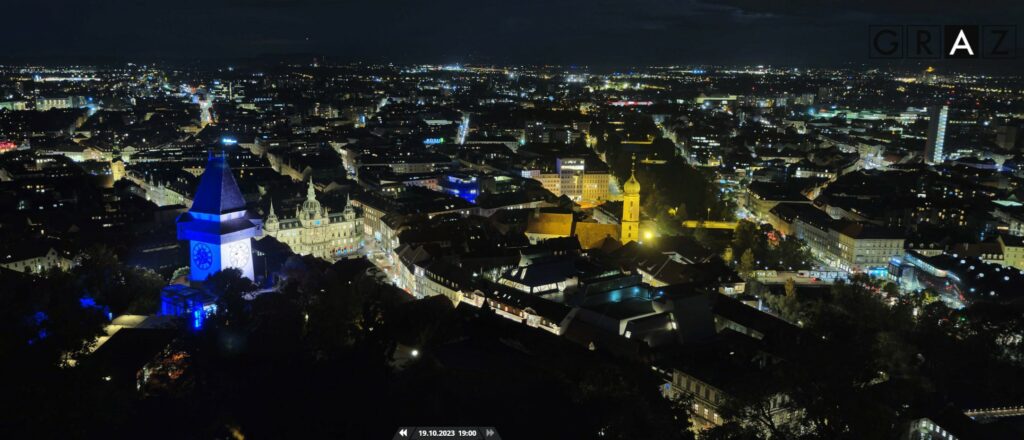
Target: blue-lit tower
<point>217,226</point>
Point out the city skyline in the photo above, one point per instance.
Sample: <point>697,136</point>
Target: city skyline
<point>199,241</point>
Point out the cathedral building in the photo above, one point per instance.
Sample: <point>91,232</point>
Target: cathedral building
<point>316,231</point>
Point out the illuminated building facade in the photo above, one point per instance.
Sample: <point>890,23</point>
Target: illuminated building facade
<point>316,231</point>
<point>933,149</point>
<point>461,185</point>
<point>572,179</point>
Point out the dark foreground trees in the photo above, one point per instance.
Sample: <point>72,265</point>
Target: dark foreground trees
<point>327,357</point>
<point>870,358</point>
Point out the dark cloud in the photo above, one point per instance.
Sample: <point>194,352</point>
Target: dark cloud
<point>621,32</point>
<point>998,10</point>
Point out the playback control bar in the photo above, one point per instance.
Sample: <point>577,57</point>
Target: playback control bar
<point>447,432</point>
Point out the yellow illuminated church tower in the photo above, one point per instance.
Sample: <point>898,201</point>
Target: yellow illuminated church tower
<point>631,208</point>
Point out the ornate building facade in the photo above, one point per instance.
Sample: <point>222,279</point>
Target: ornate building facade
<point>316,231</point>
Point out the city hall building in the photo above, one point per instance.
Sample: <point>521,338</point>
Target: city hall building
<point>316,231</point>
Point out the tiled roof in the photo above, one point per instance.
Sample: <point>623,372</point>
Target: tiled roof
<point>550,224</point>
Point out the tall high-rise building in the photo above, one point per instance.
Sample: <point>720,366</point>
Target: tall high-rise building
<point>933,149</point>
<point>217,225</point>
<point>630,209</point>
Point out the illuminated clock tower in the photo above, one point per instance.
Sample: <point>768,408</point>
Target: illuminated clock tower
<point>217,227</point>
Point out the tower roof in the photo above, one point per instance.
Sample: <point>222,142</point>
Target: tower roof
<point>218,192</point>
<point>311,206</point>
<point>632,186</point>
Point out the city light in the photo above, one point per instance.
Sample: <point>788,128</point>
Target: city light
<point>273,219</point>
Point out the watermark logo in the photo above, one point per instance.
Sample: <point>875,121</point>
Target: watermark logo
<point>946,41</point>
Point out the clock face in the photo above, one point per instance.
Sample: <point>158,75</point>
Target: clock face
<point>237,256</point>
<point>202,256</point>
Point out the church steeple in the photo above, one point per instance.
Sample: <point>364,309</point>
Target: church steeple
<point>349,212</point>
<point>632,186</point>
<point>630,224</point>
<point>271,223</point>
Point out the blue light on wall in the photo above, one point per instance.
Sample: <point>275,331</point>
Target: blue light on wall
<point>466,188</point>
<point>189,303</point>
<point>86,302</point>
<point>433,141</point>
<point>880,272</point>
<point>39,318</point>
<point>201,314</point>
<point>227,140</point>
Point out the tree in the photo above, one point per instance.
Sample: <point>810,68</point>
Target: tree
<point>746,266</point>
<point>862,359</point>
<point>121,288</point>
<point>790,288</point>
<point>745,238</point>
<point>230,288</point>
<point>146,285</point>
<point>790,253</point>
<point>668,224</point>
<point>681,212</point>
<point>786,306</point>
<point>45,324</point>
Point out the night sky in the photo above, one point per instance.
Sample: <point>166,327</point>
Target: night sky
<point>593,32</point>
